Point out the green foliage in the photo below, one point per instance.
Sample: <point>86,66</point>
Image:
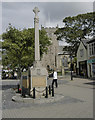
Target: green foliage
<point>76,28</point>
<point>44,42</point>
<point>18,47</point>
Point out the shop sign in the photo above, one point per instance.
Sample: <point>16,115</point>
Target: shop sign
<point>91,61</point>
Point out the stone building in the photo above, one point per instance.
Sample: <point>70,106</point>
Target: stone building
<point>91,58</point>
<point>55,57</point>
<point>63,60</point>
<point>86,58</point>
<point>82,57</point>
<point>50,58</point>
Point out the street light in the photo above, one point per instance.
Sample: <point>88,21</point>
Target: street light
<point>29,75</point>
<point>71,68</point>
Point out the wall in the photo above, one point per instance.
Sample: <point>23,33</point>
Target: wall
<point>51,58</point>
<point>91,61</point>
<point>84,57</point>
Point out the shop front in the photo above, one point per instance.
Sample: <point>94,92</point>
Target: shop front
<point>83,68</point>
<point>91,67</point>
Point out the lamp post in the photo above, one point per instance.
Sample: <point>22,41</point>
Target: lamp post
<point>71,68</point>
<point>29,75</point>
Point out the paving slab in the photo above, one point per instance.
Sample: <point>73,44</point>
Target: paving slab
<point>77,102</point>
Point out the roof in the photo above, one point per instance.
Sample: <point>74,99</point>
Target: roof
<point>84,41</point>
<point>91,40</point>
<point>61,52</point>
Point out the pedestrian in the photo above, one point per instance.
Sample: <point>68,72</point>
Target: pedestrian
<point>55,78</point>
<point>15,75</point>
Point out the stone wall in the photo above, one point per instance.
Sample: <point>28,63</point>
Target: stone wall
<point>84,55</point>
<point>51,58</point>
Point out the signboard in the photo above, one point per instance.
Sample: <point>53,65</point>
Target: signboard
<point>91,61</point>
<point>38,81</point>
<point>25,81</point>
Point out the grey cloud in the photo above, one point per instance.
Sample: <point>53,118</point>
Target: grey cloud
<point>21,15</point>
<point>61,10</point>
<point>94,6</point>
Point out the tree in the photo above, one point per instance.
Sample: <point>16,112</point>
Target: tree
<point>76,28</point>
<point>18,47</point>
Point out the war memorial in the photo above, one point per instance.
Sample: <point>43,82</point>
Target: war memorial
<point>33,95</point>
<point>33,83</point>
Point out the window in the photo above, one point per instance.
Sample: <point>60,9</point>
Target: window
<point>65,62</point>
<point>89,49</point>
<point>94,48</point>
<point>81,52</point>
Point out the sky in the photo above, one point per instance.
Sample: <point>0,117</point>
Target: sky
<point>21,15</point>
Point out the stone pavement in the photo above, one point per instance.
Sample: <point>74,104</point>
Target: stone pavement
<point>76,103</point>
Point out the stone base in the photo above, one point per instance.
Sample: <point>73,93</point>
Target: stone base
<point>40,92</point>
<point>41,100</point>
<point>38,78</point>
<point>38,75</point>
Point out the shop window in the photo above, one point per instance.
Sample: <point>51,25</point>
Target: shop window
<point>93,69</point>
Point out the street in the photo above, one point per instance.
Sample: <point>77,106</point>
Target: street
<point>76,103</point>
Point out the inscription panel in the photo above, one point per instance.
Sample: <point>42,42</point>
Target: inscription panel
<point>39,81</point>
<point>24,83</point>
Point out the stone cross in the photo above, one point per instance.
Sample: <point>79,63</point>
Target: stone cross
<point>36,26</point>
<point>36,10</point>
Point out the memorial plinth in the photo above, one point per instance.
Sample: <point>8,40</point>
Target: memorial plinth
<point>38,72</point>
<point>38,77</point>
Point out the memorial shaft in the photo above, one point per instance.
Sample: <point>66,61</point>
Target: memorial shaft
<point>38,72</point>
<point>36,26</point>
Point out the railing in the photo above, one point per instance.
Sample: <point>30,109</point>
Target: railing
<point>49,90</point>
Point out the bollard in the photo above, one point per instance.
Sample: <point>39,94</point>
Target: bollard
<point>18,86</point>
<point>23,95</point>
<point>46,93</point>
<point>49,90</point>
<point>29,92</point>
<point>52,91</point>
<point>23,92</point>
<point>34,93</point>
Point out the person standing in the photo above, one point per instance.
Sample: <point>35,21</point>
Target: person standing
<point>15,75</point>
<point>55,78</point>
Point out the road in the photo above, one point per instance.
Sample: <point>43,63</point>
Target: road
<point>77,102</point>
